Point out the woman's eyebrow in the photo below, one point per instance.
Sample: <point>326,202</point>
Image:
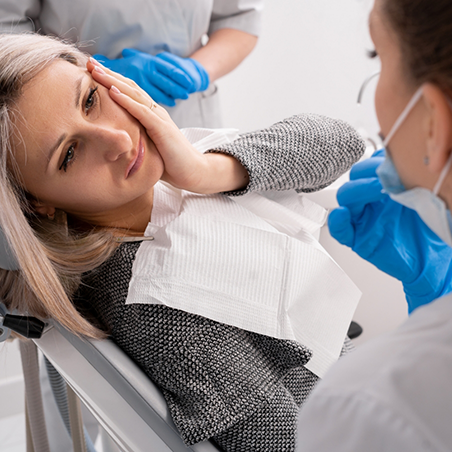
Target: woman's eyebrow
<point>78,96</point>
<point>78,92</point>
<point>55,147</point>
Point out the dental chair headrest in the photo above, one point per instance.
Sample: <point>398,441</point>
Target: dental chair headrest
<point>7,260</point>
<point>29,327</point>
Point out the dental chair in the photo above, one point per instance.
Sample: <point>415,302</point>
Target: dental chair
<point>118,393</point>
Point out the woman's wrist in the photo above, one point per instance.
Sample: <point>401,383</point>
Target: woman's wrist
<point>223,173</point>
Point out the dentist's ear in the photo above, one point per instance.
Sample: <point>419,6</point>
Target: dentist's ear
<point>439,127</point>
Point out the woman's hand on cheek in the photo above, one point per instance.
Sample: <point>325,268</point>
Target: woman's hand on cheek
<point>185,167</point>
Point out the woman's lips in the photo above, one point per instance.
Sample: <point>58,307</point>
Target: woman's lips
<point>137,162</point>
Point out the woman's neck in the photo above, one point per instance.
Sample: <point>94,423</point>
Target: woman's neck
<point>130,220</point>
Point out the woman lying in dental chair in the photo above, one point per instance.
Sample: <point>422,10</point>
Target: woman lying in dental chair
<point>83,155</point>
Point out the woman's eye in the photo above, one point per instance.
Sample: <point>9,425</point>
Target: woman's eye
<point>68,158</point>
<point>90,100</point>
<point>371,53</point>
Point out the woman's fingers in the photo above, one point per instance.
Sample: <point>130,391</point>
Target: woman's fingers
<point>130,96</point>
<point>154,118</point>
<point>145,112</point>
<point>107,78</point>
<point>126,86</point>
<point>185,167</point>
<point>97,70</point>
<point>92,63</point>
<point>182,161</point>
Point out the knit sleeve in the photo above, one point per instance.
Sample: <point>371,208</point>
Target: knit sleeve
<point>305,152</point>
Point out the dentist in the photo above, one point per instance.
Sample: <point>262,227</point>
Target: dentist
<point>394,393</point>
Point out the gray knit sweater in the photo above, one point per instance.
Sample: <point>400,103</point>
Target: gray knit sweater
<point>241,389</point>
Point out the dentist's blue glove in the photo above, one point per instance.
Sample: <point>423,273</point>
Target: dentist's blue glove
<point>391,236</point>
<point>161,79</point>
<point>193,69</point>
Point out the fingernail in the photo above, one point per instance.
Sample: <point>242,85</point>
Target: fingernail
<point>100,70</point>
<point>115,90</point>
<point>94,61</point>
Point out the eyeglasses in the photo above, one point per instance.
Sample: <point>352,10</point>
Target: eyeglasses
<point>360,96</point>
<point>364,85</point>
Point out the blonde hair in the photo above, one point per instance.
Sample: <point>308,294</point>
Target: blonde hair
<point>51,258</point>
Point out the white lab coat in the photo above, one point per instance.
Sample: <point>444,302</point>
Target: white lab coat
<point>152,26</point>
<point>392,394</point>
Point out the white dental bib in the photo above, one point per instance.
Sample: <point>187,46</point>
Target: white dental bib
<point>251,262</point>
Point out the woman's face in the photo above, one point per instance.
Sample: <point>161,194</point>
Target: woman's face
<point>79,151</point>
<point>394,90</point>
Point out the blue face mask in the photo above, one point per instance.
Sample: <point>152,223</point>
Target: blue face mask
<point>426,203</point>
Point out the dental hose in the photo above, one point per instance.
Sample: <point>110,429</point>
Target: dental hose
<point>36,426</point>
<point>59,391</point>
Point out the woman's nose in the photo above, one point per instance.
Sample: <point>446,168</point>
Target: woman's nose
<point>113,143</point>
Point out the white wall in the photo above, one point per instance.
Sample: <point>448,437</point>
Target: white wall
<point>311,57</point>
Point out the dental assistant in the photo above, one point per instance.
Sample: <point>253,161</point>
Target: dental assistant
<point>394,392</point>
<point>156,43</point>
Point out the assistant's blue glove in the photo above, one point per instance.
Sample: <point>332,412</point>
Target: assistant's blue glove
<point>192,68</point>
<point>391,236</point>
<point>161,79</point>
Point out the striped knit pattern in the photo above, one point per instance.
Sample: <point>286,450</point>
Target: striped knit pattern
<point>219,381</point>
<point>304,152</point>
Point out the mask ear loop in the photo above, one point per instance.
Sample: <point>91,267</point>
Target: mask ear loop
<point>442,176</point>
<point>417,95</point>
<point>364,86</point>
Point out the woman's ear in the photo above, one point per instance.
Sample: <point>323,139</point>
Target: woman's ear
<point>44,210</point>
<point>439,127</point>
